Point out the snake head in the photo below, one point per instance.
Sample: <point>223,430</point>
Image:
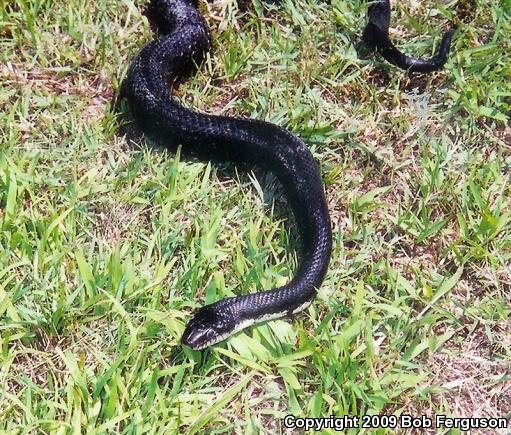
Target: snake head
<point>209,325</point>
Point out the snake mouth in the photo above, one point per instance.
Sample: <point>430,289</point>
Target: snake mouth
<point>198,343</point>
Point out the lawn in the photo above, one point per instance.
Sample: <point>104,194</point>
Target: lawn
<point>108,245</point>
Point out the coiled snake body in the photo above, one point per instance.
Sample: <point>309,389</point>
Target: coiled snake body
<point>183,40</point>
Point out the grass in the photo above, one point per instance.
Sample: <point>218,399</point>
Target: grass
<point>106,247</point>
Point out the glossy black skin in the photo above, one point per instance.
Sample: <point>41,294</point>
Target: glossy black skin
<point>376,36</point>
<point>183,40</point>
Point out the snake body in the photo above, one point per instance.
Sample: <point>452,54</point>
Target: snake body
<point>182,43</point>
<point>376,35</point>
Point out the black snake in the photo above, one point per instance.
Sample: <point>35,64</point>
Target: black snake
<point>182,43</point>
